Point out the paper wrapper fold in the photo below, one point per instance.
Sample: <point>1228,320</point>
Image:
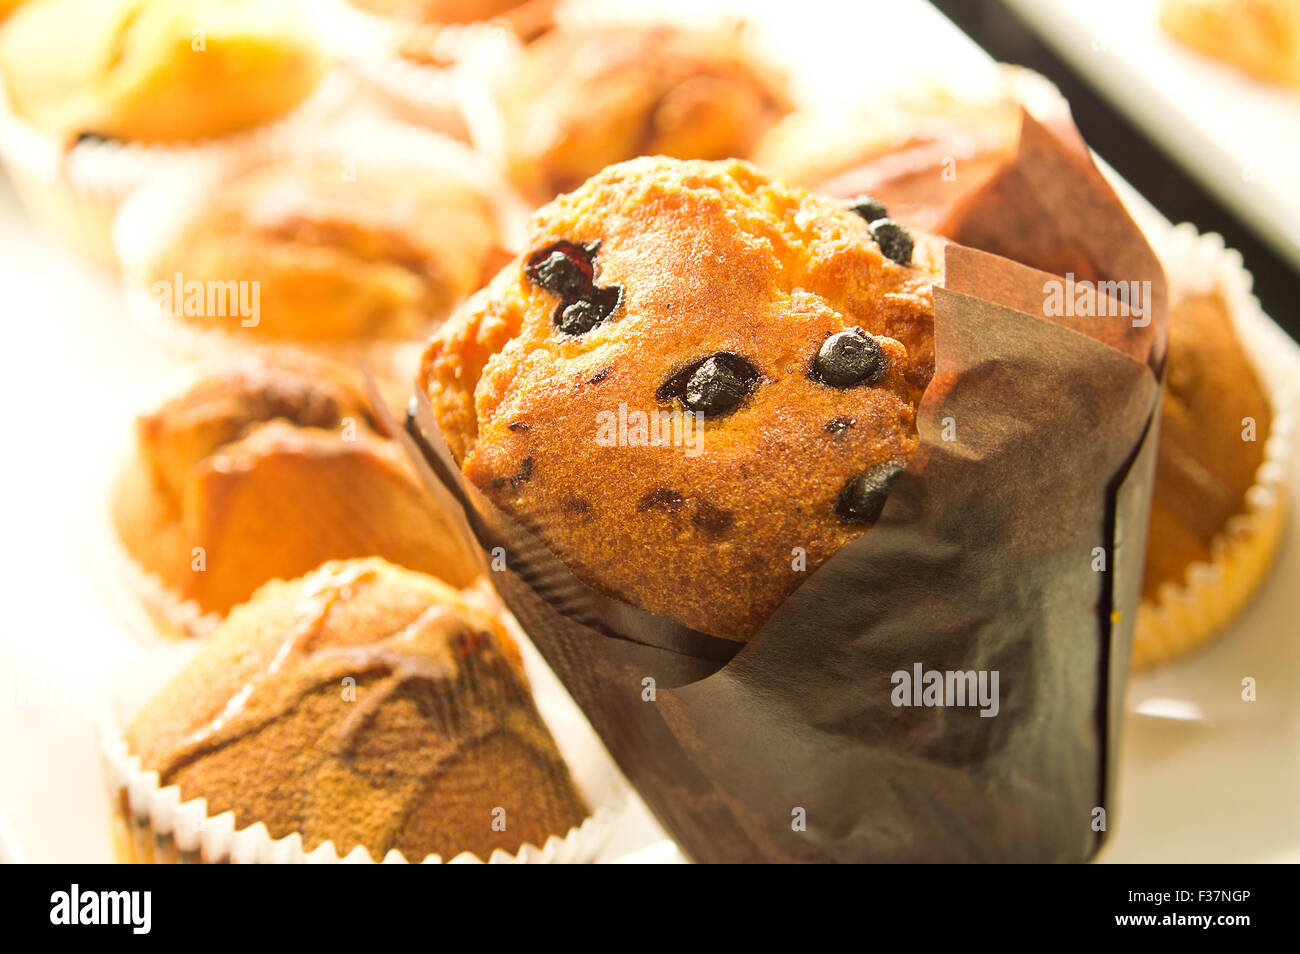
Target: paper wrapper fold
<point>789,747</point>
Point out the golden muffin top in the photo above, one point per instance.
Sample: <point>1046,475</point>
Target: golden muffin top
<point>157,70</point>
<point>584,97</point>
<point>367,705</point>
<point>796,331</point>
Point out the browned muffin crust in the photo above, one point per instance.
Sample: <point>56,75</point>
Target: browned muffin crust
<point>585,97</point>
<point>266,467</point>
<point>710,259</point>
<point>1204,465</point>
<point>368,706</point>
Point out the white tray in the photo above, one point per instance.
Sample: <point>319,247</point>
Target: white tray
<point>1204,776</point>
<point>1240,137</point>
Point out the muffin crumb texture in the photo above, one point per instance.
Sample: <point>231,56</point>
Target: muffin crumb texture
<point>369,706</point>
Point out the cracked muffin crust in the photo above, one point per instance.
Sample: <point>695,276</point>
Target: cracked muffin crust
<point>584,97</point>
<point>437,733</point>
<point>664,286</point>
<point>264,469</point>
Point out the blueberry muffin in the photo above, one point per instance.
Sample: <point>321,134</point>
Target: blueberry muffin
<point>796,330</point>
<point>265,468</point>
<point>157,71</point>
<point>342,247</point>
<point>368,706</point>
<point>583,97</point>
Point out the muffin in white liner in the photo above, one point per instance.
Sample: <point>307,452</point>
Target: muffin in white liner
<point>419,92</point>
<point>139,532</point>
<point>153,219</point>
<point>76,190</point>
<point>1186,615</point>
<point>153,825</point>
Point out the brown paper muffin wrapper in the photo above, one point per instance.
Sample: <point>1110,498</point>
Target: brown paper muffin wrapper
<point>155,824</point>
<point>789,747</point>
<point>154,217</point>
<point>1186,615</point>
<point>75,192</point>
<point>415,92</point>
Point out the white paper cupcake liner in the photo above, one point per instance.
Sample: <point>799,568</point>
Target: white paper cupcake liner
<point>152,219</point>
<point>155,824</point>
<point>369,44</point>
<point>1187,614</point>
<point>76,192</point>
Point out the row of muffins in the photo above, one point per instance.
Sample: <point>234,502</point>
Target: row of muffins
<point>355,692</point>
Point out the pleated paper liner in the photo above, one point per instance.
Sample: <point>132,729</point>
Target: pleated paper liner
<point>155,824</point>
<point>981,560</point>
<point>75,191</point>
<point>153,219</point>
<point>1186,615</point>
<point>413,91</point>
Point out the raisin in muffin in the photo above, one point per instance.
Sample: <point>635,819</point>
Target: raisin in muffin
<point>266,467</point>
<point>583,97</point>
<point>367,706</point>
<point>796,330</point>
<point>342,247</point>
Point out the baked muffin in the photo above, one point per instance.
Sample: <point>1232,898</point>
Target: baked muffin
<point>919,149</point>
<point>797,332</point>
<point>1217,511</point>
<point>264,469</point>
<point>157,71</point>
<point>583,97</point>
<point>367,706</point>
<point>1258,37</point>
<point>341,247</point>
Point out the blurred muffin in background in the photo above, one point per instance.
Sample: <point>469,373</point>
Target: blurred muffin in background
<point>362,705</point>
<point>1258,37</point>
<point>350,246</point>
<point>265,468</point>
<point>917,149</point>
<point>585,97</point>
<point>1223,458</point>
<point>385,253</point>
<point>157,71</point>
<point>103,96</point>
<point>7,7</point>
